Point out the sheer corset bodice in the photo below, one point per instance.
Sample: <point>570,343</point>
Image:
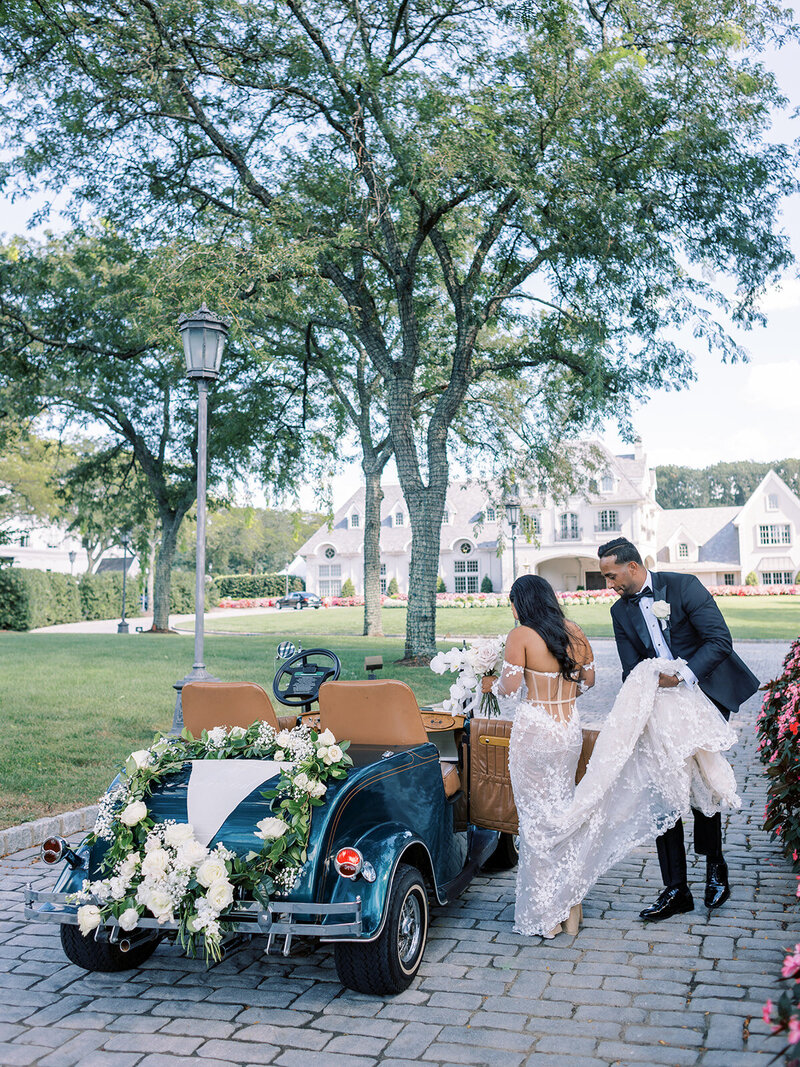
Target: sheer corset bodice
<point>549,690</point>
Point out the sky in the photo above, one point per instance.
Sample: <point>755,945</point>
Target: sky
<point>729,412</point>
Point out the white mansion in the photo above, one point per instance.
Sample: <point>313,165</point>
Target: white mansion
<point>559,539</point>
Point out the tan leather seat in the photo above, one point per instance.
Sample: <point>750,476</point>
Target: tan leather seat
<point>209,704</point>
<point>378,713</point>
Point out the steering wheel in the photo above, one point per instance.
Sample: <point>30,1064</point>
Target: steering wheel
<point>305,675</point>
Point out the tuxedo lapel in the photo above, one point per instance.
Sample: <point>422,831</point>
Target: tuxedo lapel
<point>659,587</point>
<point>638,624</point>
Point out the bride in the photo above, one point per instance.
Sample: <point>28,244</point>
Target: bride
<point>657,755</point>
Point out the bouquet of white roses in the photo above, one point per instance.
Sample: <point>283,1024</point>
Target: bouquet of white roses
<point>473,662</point>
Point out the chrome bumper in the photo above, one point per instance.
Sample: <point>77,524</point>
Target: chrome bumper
<point>247,917</point>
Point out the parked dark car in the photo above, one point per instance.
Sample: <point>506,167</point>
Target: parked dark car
<point>298,601</point>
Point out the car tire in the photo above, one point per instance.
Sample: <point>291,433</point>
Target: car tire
<point>94,955</point>
<point>278,605</point>
<point>506,856</point>
<point>389,963</point>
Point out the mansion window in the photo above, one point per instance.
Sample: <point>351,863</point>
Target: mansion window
<point>383,577</point>
<point>776,578</point>
<point>466,575</point>
<point>445,518</point>
<point>683,550</point>
<point>354,520</point>
<point>568,529</point>
<point>772,502</point>
<point>607,483</point>
<point>24,540</point>
<point>729,579</point>
<point>774,534</point>
<point>491,515</point>
<point>531,526</point>
<point>609,520</point>
<point>398,518</point>
<point>330,579</point>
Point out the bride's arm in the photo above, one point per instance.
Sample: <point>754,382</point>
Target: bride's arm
<point>585,658</point>
<point>509,688</point>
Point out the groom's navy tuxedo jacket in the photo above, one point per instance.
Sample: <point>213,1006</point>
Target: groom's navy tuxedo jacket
<point>697,633</point>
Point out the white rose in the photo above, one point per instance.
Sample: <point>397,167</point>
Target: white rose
<point>217,735</point>
<point>270,829</point>
<point>211,870</point>
<point>134,813</point>
<point>141,757</point>
<point>220,894</point>
<point>127,869</point>
<point>322,753</point>
<point>302,781</point>
<point>661,609</point>
<point>129,919</point>
<point>279,756</point>
<point>117,887</point>
<point>155,863</point>
<point>191,853</point>
<point>317,789</point>
<point>153,841</point>
<point>159,903</point>
<point>335,754</point>
<point>237,731</point>
<point>177,833</point>
<point>88,918</point>
<point>326,738</point>
<point>284,739</point>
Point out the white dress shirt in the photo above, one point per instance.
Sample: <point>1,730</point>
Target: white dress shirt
<point>657,635</point>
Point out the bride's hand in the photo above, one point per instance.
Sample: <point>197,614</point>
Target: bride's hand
<point>487,682</point>
<point>668,681</point>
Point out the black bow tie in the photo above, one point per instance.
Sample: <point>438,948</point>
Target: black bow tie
<point>636,597</point>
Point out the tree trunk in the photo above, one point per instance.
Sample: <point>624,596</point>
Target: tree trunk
<point>163,573</point>
<point>373,495</point>
<point>426,508</point>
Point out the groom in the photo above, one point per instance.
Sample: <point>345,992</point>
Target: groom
<point>674,616</point>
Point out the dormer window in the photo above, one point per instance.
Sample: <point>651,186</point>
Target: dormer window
<point>354,521</point>
<point>683,550</point>
<point>772,502</point>
<point>399,518</point>
<point>607,483</point>
<point>491,515</point>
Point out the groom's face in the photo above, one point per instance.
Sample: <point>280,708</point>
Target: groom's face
<point>624,578</point>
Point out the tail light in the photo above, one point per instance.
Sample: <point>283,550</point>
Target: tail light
<point>348,862</point>
<point>53,849</point>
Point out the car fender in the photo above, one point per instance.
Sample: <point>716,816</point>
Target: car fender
<point>384,848</point>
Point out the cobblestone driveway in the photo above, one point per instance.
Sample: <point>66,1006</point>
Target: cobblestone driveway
<point>687,991</point>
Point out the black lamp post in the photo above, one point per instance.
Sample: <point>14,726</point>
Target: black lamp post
<point>122,626</point>
<point>203,335</point>
<point>73,555</point>
<point>513,508</point>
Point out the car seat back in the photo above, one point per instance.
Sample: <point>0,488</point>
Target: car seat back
<point>372,713</point>
<point>209,704</point>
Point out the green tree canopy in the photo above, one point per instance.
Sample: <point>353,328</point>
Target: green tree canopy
<point>728,484</point>
<point>422,177</point>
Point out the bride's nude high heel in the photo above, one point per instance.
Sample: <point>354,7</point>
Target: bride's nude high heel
<point>573,921</point>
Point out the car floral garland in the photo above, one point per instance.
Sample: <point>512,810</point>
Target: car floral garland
<point>162,869</point>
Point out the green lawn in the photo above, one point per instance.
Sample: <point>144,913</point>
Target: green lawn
<point>74,706</point>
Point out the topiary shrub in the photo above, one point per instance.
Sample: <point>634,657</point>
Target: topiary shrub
<point>250,586</point>
<point>486,584</point>
<point>348,589</point>
<point>393,588</point>
<point>751,579</point>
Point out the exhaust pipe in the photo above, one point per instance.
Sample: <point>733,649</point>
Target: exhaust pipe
<point>133,939</point>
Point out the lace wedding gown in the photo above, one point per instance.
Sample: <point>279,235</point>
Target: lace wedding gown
<point>657,755</point>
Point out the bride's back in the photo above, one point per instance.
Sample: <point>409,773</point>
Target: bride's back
<point>544,680</point>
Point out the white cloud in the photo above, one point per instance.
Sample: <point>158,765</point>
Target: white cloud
<point>773,387</point>
<point>782,297</point>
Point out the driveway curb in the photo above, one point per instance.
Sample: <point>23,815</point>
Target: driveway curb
<point>30,834</point>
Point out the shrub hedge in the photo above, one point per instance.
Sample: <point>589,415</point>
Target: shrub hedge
<point>101,596</point>
<point>31,598</point>
<point>181,593</point>
<point>242,586</point>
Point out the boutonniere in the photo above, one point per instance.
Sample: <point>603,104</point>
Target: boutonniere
<point>661,610</point>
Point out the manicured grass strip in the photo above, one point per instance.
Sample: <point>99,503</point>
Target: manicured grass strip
<point>75,706</point>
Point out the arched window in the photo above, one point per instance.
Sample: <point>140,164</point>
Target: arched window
<point>568,526</point>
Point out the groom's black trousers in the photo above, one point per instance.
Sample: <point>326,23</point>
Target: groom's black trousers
<point>707,839</point>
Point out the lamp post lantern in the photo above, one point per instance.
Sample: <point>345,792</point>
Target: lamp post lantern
<point>513,508</point>
<point>73,555</point>
<point>203,335</point>
<point>122,626</point>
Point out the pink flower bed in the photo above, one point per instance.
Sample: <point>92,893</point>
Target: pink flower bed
<point>754,590</point>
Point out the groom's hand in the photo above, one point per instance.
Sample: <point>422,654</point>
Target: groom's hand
<point>668,681</point>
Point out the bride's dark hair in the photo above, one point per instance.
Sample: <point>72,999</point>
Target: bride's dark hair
<point>538,607</point>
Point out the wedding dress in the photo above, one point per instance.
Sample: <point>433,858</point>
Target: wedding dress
<point>657,755</point>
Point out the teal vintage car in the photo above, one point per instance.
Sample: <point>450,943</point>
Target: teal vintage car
<point>408,827</point>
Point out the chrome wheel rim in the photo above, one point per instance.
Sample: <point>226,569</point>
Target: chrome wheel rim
<point>410,929</point>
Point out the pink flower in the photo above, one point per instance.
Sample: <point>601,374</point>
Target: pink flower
<point>766,1012</point>
<point>791,965</point>
<point>794,1030</point>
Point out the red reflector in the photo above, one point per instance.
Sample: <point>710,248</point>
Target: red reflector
<point>52,850</point>
<point>348,862</point>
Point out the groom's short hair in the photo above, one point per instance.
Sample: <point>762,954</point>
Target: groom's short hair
<point>622,550</point>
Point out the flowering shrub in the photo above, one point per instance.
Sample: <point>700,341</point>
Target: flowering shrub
<point>754,590</point>
<point>779,748</point>
<point>161,869</point>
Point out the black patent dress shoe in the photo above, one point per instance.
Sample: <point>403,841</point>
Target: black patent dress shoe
<point>670,902</point>
<point>717,888</point>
